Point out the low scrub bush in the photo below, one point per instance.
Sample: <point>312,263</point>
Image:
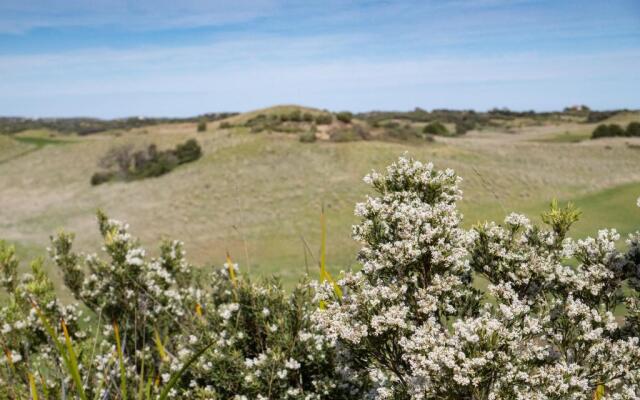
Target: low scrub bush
<point>408,325</point>
<point>396,131</point>
<point>436,128</point>
<point>464,125</point>
<point>633,129</point>
<point>324,119</point>
<point>344,116</point>
<point>349,133</point>
<point>202,125</point>
<point>610,130</point>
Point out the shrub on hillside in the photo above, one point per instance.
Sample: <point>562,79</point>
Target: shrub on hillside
<point>101,177</point>
<point>436,128</point>
<point>124,164</point>
<point>225,125</point>
<point>295,116</point>
<point>464,125</point>
<point>307,117</point>
<point>188,151</point>
<point>202,125</point>
<point>633,129</point>
<point>349,133</point>
<point>344,116</point>
<point>396,131</point>
<point>324,119</point>
<point>610,130</point>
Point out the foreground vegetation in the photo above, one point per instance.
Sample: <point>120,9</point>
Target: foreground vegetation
<point>408,325</point>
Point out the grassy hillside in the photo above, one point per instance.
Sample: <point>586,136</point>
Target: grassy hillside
<point>258,195</point>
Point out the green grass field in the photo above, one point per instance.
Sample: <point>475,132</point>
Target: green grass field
<point>259,195</point>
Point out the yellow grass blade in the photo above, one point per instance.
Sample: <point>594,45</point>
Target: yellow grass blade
<point>232,272</point>
<point>159,346</point>
<point>32,387</point>
<point>599,393</point>
<point>7,352</point>
<point>199,310</point>
<point>324,273</point>
<point>123,372</point>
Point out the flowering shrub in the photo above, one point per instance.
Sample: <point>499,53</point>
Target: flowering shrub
<point>544,328</point>
<point>159,319</point>
<point>559,318</point>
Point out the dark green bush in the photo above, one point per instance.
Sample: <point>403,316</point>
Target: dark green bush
<point>144,163</point>
<point>101,177</point>
<point>202,125</point>
<point>225,125</point>
<point>610,130</point>
<point>295,116</point>
<point>188,151</point>
<point>344,116</point>
<point>396,131</point>
<point>349,134</point>
<point>324,119</point>
<point>464,126</point>
<point>307,117</point>
<point>436,128</point>
<point>633,129</point>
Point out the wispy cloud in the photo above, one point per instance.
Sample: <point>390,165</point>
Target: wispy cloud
<point>18,16</point>
<point>335,54</point>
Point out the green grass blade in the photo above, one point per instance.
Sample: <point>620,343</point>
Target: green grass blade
<point>73,363</point>
<point>71,367</point>
<point>123,372</point>
<point>174,378</point>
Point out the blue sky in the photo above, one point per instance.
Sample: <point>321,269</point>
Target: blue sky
<point>114,58</point>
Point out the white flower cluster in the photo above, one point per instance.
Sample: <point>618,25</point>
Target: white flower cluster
<point>544,328</point>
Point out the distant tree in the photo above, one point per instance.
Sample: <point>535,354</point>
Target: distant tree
<point>202,125</point>
<point>344,116</point>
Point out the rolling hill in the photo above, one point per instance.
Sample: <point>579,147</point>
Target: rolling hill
<point>258,195</point>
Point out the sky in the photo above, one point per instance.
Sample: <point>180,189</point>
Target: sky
<point>117,58</point>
